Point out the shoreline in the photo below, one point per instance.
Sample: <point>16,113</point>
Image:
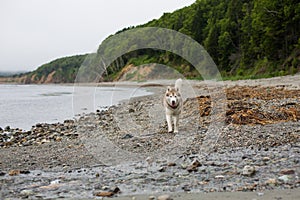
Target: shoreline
<point>291,82</point>
<point>288,80</point>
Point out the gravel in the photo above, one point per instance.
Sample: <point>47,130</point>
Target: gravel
<point>126,150</point>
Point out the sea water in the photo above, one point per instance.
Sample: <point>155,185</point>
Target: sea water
<point>22,106</point>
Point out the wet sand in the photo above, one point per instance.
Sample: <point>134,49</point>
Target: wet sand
<point>264,195</point>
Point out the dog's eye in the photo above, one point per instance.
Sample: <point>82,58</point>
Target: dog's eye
<point>167,95</point>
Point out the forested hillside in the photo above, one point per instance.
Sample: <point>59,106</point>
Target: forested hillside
<point>245,38</point>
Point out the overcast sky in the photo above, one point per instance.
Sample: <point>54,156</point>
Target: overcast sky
<point>34,32</point>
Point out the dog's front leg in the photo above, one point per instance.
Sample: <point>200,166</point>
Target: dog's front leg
<point>176,121</point>
<point>169,123</point>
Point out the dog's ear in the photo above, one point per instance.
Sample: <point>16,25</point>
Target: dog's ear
<point>169,89</point>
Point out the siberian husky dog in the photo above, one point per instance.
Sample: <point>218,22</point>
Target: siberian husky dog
<point>173,104</point>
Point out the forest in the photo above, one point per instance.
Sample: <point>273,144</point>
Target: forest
<point>61,70</point>
<point>245,38</point>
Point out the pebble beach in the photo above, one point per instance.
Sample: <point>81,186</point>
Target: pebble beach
<point>249,147</point>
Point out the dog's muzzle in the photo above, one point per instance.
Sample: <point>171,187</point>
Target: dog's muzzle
<point>173,103</point>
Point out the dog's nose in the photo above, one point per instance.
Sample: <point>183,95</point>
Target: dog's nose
<point>173,102</point>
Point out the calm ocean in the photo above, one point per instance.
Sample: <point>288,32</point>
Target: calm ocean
<point>22,106</point>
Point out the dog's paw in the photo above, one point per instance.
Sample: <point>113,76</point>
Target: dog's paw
<point>175,131</point>
<point>170,131</point>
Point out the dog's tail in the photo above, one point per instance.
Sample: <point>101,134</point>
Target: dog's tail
<point>178,84</point>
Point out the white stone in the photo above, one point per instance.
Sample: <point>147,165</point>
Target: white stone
<point>248,170</point>
<point>164,197</point>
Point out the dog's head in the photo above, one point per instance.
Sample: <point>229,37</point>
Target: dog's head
<point>172,97</point>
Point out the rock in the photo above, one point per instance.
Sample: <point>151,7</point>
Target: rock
<point>164,197</point>
<point>45,141</point>
<point>24,172</point>
<point>260,194</point>
<point>152,198</point>
<point>220,177</point>
<point>194,166</point>
<point>186,188</point>
<point>284,178</point>
<point>265,159</point>
<point>127,136</point>
<point>7,128</point>
<point>271,181</point>
<point>26,192</point>
<point>171,164</point>
<point>109,193</point>
<point>56,181</point>
<point>162,169</point>
<point>39,125</point>
<point>196,163</point>
<point>70,121</point>
<point>287,171</point>
<point>104,194</point>
<point>14,172</point>
<point>51,186</point>
<point>131,110</point>
<point>115,190</point>
<point>248,170</point>
<point>149,160</point>
<point>2,173</point>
